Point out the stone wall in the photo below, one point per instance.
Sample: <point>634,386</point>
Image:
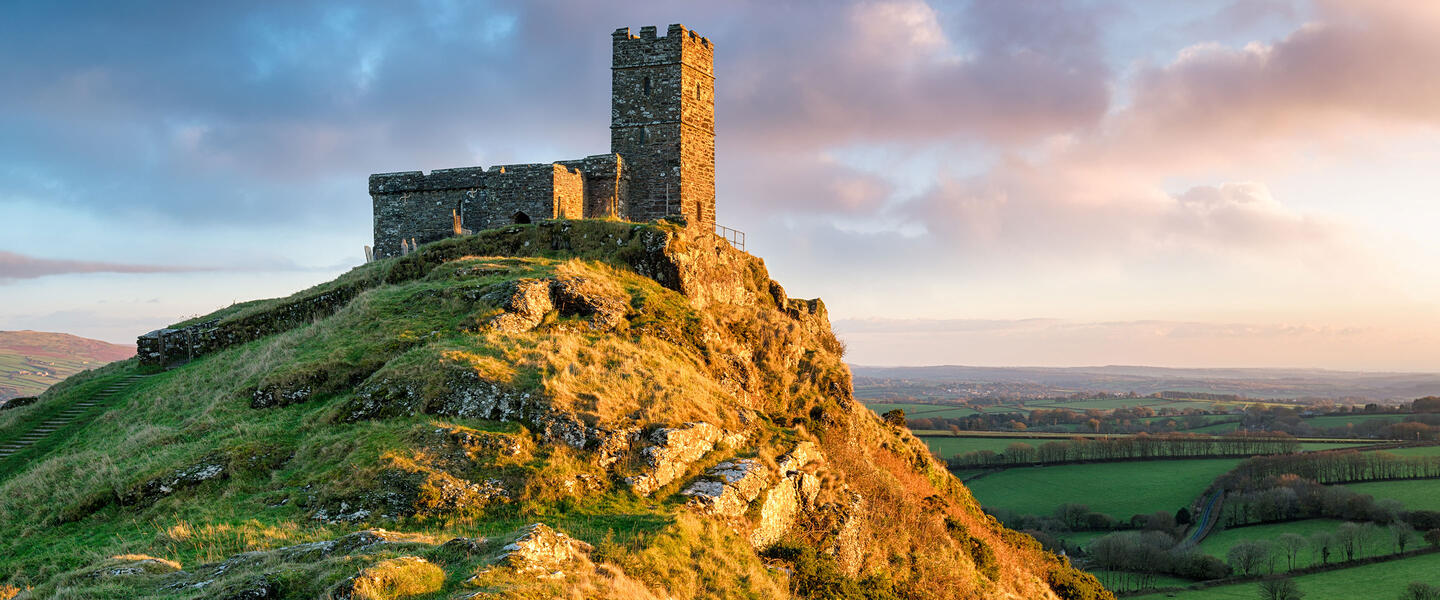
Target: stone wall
<point>165,347</point>
<point>414,206</point>
<point>607,185</point>
<point>696,263</point>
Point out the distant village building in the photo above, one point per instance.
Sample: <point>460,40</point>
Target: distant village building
<point>661,160</point>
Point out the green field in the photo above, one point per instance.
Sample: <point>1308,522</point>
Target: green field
<point>1148,486</point>
<point>947,446</point>
<point>1219,542</point>
<point>1382,581</point>
<point>1333,421</point>
<point>1415,451</point>
<point>25,376</point>
<point>1081,538</point>
<point>1418,494</point>
<point>1312,446</point>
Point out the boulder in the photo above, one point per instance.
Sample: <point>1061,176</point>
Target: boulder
<point>541,550</point>
<point>674,450</point>
<point>729,487</point>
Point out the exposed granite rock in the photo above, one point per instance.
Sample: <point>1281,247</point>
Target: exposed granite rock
<point>849,546</point>
<point>782,503</point>
<point>673,451</point>
<point>526,302</point>
<point>405,493</point>
<point>466,395</point>
<point>136,564</point>
<point>577,296</point>
<point>609,445</point>
<point>729,487</point>
<point>144,494</point>
<point>541,550</point>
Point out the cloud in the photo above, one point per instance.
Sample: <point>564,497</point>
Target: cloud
<point>20,266</point>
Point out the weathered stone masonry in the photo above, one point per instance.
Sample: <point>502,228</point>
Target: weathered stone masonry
<point>661,161</point>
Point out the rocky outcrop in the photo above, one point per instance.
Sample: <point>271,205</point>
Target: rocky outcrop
<point>729,487</point>
<point>783,503</point>
<point>147,493</point>
<point>540,550</point>
<point>525,302</point>
<point>674,450</point>
<point>466,395</point>
<point>131,565</point>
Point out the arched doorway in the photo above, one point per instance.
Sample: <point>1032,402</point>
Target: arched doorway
<point>521,218</point>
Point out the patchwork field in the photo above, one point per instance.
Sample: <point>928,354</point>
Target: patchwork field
<point>1220,541</point>
<point>1420,494</point>
<point>1148,486</point>
<point>1381,581</point>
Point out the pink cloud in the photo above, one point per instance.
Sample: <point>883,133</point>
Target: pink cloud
<point>20,266</point>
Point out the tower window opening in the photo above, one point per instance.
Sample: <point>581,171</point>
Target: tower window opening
<point>699,95</point>
<point>642,135</point>
<point>520,218</point>
<point>646,85</point>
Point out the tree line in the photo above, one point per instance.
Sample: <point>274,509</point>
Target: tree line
<point>1136,447</point>
<point>1337,466</point>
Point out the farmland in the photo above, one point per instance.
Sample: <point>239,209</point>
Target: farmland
<point>1148,488</point>
<point>1415,495</point>
<point>1113,501</point>
<point>1382,580</point>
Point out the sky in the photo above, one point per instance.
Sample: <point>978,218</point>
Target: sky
<point>998,182</point>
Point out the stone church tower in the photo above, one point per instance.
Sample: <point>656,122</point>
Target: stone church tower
<point>662,122</point>
<point>661,160</point>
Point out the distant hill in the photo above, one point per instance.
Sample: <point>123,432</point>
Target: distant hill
<point>32,361</point>
<point>1254,383</point>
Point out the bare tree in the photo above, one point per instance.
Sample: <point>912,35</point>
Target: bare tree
<point>1401,534</point>
<point>1292,544</point>
<point>1247,556</point>
<point>1280,589</point>
<point>1322,543</point>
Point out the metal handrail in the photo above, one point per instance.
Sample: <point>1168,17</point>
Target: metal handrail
<point>734,236</point>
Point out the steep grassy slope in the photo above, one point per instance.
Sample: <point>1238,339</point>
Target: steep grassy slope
<point>679,426</point>
<point>31,361</point>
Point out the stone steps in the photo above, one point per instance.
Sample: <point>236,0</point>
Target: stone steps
<point>69,416</point>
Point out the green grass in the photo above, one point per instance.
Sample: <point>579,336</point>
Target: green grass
<point>1081,538</point>
<point>1418,494</point>
<point>1311,446</point>
<point>1380,581</point>
<point>1147,486</point>
<point>1221,540</point>
<point>1414,451</point>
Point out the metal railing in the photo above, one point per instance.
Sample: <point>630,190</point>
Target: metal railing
<point>734,236</point>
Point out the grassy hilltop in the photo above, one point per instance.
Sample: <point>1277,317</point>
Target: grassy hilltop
<point>675,425</point>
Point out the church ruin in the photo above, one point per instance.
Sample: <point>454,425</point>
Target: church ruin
<point>661,161</point>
